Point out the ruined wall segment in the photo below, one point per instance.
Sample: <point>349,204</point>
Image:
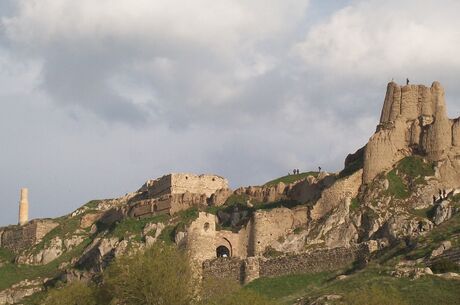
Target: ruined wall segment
<point>198,184</point>
<point>177,192</point>
<point>180,183</point>
<point>413,120</point>
<point>17,238</point>
<point>268,226</point>
<point>251,268</point>
<point>203,238</point>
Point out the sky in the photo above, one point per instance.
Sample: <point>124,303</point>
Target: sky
<point>99,96</point>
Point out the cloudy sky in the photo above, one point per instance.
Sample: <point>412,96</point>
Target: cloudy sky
<point>98,96</point>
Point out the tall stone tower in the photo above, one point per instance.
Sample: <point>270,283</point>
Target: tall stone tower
<point>24,207</point>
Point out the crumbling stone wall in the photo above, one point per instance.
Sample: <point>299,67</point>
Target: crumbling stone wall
<point>264,229</point>
<point>182,183</point>
<point>224,268</point>
<point>203,238</point>
<point>267,226</point>
<point>177,192</point>
<point>202,184</point>
<point>17,238</point>
<point>246,270</point>
<point>312,262</point>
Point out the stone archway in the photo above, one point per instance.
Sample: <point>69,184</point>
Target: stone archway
<point>224,248</point>
<point>223,251</point>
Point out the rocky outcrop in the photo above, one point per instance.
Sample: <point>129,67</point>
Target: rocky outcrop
<point>413,120</point>
<point>336,194</point>
<point>220,197</point>
<point>445,245</point>
<point>338,229</point>
<point>442,212</point>
<point>19,291</point>
<point>266,193</point>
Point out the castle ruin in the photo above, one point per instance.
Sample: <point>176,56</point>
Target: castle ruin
<point>175,192</point>
<point>414,120</point>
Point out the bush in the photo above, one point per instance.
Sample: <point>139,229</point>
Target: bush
<point>159,276</point>
<point>77,293</point>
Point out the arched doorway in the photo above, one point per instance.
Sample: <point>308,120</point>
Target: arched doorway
<point>222,251</point>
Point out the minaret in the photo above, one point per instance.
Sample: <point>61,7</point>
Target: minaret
<point>24,207</point>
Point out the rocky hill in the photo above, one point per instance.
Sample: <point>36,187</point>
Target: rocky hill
<point>393,208</point>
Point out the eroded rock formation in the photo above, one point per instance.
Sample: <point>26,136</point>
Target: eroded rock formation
<point>414,120</point>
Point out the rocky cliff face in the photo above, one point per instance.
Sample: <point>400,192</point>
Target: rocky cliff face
<point>414,121</point>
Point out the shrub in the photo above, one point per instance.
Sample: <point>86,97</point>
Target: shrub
<point>77,293</point>
<point>161,275</point>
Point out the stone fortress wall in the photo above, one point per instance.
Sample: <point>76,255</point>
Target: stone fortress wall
<point>176,192</point>
<point>263,230</point>
<point>246,270</point>
<point>17,238</point>
<point>176,183</point>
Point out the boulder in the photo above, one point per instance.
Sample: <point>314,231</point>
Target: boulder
<point>445,245</point>
<point>443,212</point>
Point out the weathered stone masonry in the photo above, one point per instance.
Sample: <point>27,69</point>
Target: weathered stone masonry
<point>246,270</point>
<point>17,238</point>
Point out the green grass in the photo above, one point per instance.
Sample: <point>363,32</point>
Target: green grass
<point>290,286</point>
<point>12,273</point>
<point>167,235</point>
<point>354,204</point>
<point>236,199</point>
<point>397,188</point>
<point>92,205</point>
<point>6,255</point>
<point>291,178</point>
<point>371,284</point>
<point>409,170</point>
<point>415,166</point>
<point>67,226</point>
<point>133,226</point>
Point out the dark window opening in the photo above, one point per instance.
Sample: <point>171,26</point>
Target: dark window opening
<point>222,251</point>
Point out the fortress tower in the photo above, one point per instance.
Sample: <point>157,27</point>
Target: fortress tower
<point>24,207</point>
<point>414,121</point>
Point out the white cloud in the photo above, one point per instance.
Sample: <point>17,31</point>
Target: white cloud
<point>189,53</point>
<point>390,38</point>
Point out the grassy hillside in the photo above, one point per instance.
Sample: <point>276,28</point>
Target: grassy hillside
<point>291,178</point>
<point>372,285</point>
